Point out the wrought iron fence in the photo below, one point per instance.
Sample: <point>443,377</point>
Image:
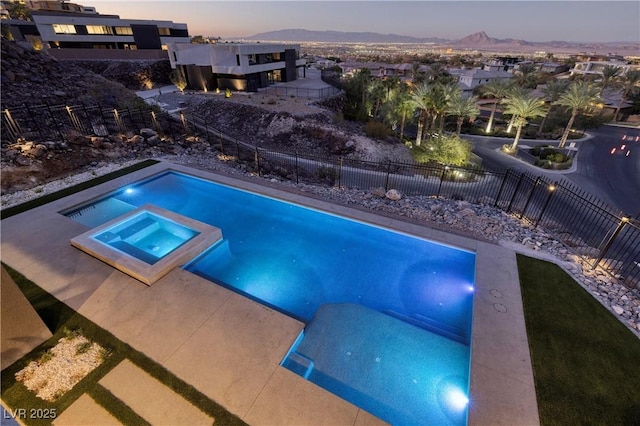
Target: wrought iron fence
<point>600,234</point>
<point>60,122</point>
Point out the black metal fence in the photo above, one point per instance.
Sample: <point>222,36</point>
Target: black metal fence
<point>59,122</point>
<point>600,234</point>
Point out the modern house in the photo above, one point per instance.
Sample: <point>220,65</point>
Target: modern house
<point>73,31</point>
<point>595,68</point>
<point>236,66</point>
<point>470,79</point>
<point>81,30</point>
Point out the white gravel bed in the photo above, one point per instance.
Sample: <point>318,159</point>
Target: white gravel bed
<point>62,368</point>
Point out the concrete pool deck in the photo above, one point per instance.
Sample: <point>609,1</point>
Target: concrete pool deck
<point>229,347</point>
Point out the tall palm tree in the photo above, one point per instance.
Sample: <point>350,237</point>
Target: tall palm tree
<point>463,108</point>
<point>515,92</point>
<point>579,97</point>
<point>629,81</point>
<point>522,108</point>
<point>498,90</point>
<point>552,92</point>
<point>442,94</point>
<point>610,75</point>
<point>420,98</point>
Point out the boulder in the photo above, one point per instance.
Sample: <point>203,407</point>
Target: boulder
<point>393,195</point>
<point>148,133</point>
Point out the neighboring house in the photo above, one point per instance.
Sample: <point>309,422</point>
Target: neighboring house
<point>381,70</point>
<point>470,79</point>
<point>552,68</point>
<point>236,66</point>
<point>595,67</point>
<point>73,30</point>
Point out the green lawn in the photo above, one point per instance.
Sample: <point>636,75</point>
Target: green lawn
<point>586,363</point>
<point>61,319</point>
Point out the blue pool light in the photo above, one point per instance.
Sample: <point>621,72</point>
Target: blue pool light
<point>128,191</point>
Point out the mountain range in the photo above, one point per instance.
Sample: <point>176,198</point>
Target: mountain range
<point>476,40</point>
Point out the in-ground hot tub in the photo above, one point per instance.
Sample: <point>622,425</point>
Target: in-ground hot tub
<point>148,242</point>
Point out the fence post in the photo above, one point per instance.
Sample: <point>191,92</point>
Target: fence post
<point>221,144</point>
<point>340,172</point>
<point>604,251</point>
<point>504,180</point>
<point>515,192</point>
<point>257,160</point>
<point>296,152</point>
<point>444,170</point>
<point>552,189</point>
<point>386,181</point>
<point>533,190</point>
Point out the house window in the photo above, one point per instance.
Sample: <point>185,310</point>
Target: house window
<point>123,30</point>
<point>253,59</point>
<point>99,29</point>
<point>164,31</point>
<point>64,29</point>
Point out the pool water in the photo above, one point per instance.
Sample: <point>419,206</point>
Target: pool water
<point>146,236</point>
<point>361,289</point>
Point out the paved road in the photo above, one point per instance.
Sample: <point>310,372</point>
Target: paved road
<point>614,178</point>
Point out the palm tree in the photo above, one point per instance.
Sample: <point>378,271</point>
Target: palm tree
<point>523,107</point>
<point>515,92</point>
<point>442,95</point>
<point>628,82</point>
<point>420,99</point>
<point>498,89</point>
<point>463,108</point>
<point>610,74</point>
<point>552,91</point>
<point>526,76</point>
<point>579,97</point>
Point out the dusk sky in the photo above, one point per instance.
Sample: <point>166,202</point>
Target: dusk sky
<point>539,20</point>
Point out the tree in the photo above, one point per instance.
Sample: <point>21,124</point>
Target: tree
<point>629,82</point>
<point>526,76</point>
<point>357,90</point>
<point>18,11</point>
<point>420,99</point>
<point>441,97</point>
<point>552,92</point>
<point>610,75</point>
<point>580,97</point>
<point>523,107</point>
<point>463,108</point>
<point>445,149</point>
<point>498,90</point>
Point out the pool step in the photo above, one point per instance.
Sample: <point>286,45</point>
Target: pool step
<point>299,364</point>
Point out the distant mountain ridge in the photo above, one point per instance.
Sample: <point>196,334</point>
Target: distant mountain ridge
<point>476,40</point>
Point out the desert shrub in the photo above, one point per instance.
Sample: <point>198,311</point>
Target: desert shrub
<point>374,129</point>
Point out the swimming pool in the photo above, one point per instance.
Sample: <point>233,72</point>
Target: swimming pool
<point>403,303</point>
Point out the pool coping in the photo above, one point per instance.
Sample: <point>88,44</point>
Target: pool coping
<point>501,383</point>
